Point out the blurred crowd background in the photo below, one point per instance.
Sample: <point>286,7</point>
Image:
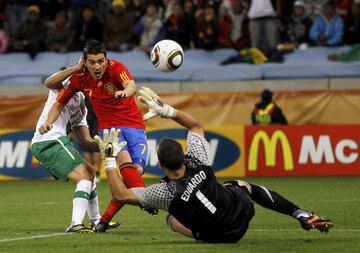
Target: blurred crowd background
<point>65,25</point>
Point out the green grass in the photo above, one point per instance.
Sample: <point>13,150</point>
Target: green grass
<point>32,208</point>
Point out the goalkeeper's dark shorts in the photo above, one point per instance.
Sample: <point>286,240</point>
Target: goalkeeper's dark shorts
<point>237,229</point>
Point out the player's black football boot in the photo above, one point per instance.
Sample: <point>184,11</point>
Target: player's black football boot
<point>102,226</point>
<point>80,229</point>
<point>316,222</point>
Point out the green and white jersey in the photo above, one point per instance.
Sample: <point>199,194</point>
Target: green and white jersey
<point>73,112</point>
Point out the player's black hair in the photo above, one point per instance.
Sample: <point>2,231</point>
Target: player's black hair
<point>170,154</point>
<point>94,47</point>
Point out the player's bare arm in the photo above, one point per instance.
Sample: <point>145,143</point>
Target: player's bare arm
<point>51,118</point>
<point>85,139</point>
<point>118,189</point>
<point>129,89</point>
<point>189,121</point>
<point>55,80</point>
<point>158,108</point>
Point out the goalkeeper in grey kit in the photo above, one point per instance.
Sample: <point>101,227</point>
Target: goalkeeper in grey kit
<point>197,204</point>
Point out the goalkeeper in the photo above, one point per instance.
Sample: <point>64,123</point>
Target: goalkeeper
<point>198,205</point>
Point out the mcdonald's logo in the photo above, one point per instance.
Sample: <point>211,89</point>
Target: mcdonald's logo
<point>270,147</point>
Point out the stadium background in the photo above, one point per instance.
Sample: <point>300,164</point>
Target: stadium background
<point>331,150</point>
<point>319,97</point>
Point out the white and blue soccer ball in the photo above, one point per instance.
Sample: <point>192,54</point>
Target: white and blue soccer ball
<point>167,56</point>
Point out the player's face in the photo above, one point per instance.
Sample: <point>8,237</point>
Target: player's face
<point>96,65</point>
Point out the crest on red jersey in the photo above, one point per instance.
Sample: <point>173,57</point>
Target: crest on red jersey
<point>110,88</point>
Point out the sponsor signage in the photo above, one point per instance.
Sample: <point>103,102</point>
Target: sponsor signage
<point>16,160</point>
<point>225,149</point>
<point>302,150</point>
<point>235,151</point>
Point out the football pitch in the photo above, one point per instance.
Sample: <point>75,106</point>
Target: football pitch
<point>34,214</point>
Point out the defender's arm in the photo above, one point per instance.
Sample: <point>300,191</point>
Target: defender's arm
<point>51,118</point>
<point>55,80</point>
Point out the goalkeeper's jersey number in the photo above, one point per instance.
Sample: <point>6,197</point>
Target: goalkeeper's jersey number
<point>205,201</point>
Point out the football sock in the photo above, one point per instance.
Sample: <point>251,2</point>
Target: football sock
<point>113,207</point>
<point>93,207</point>
<point>131,178</point>
<point>80,201</point>
<point>300,214</point>
<point>272,200</point>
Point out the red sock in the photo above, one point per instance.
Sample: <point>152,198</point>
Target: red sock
<point>131,177</point>
<point>113,207</point>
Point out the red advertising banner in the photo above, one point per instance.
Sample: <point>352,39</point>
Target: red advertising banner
<point>302,150</point>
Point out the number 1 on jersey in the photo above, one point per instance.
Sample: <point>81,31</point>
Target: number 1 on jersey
<point>207,203</point>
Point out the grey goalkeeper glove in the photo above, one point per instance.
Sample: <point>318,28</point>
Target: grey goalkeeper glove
<point>110,147</point>
<point>156,106</point>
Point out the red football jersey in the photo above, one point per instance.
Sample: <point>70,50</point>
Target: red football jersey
<point>110,111</point>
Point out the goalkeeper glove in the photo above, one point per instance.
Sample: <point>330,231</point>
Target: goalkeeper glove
<point>109,147</point>
<point>155,104</point>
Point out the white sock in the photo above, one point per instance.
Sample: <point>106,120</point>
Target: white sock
<point>301,214</point>
<point>80,201</point>
<point>93,207</point>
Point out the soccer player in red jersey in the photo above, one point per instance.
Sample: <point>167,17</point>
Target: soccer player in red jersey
<point>110,88</point>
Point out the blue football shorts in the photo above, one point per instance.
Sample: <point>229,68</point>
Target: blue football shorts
<point>136,144</point>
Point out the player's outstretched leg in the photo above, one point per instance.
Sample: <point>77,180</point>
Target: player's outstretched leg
<point>105,222</point>
<point>93,207</point>
<point>94,215</point>
<point>131,179</point>
<point>80,204</point>
<point>83,179</point>
<point>274,201</point>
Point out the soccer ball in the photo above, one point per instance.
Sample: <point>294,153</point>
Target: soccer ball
<point>167,56</point>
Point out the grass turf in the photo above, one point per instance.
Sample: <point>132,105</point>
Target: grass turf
<point>31,209</point>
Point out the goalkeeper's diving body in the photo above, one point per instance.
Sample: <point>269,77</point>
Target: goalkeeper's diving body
<point>197,204</point>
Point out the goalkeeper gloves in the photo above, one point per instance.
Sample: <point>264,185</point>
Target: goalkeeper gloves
<point>155,104</point>
<point>109,147</point>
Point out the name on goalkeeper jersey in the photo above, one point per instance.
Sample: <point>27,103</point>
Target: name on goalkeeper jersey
<point>193,183</point>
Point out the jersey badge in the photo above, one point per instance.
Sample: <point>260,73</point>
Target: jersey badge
<point>110,88</point>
